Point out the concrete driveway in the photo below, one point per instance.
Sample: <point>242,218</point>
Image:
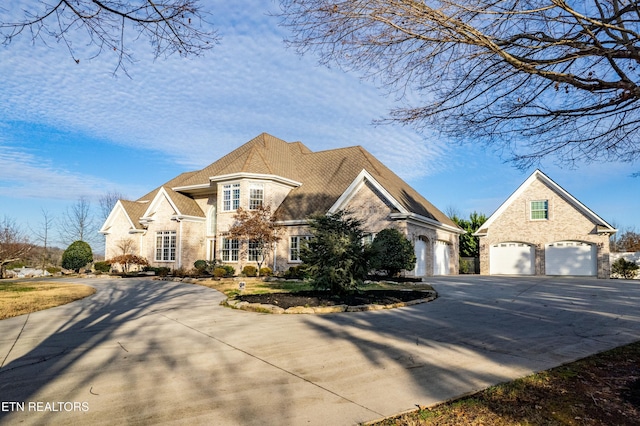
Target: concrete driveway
<point>147,352</point>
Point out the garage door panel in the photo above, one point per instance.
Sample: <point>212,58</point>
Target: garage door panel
<point>512,258</point>
<point>570,258</point>
<point>421,258</point>
<point>441,258</point>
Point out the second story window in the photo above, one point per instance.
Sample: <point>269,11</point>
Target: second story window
<point>539,210</point>
<point>231,197</point>
<point>256,196</point>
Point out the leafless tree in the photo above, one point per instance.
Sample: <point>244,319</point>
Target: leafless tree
<point>78,224</point>
<point>43,235</point>
<point>107,202</point>
<point>126,246</point>
<point>171,26</point>
<point>531,78</point>
<point>629,240</point>
<point>14,244</point>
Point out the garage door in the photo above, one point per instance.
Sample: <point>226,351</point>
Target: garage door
<point>441,258</point>
<point>421,258</point>
<point>570,258</point>
<point>511,258</point>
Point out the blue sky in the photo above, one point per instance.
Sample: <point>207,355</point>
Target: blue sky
<point>69,130</point>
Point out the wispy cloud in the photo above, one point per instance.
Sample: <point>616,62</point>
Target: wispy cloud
<point>24,175</point>
<point>196,110</point>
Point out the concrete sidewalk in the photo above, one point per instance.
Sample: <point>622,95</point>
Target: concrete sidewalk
<point>146,352</point>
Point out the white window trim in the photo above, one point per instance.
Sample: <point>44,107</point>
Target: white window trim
<point>259,201</point>
<point>233,191</point>
<point>298,239</point>
<point>251,251</point>
<point>161,236</point>
<point>546,210</point>
<point>233,247</point>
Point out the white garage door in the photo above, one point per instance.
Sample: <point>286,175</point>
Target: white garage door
<point>441,258</point>
<point>570,258</point>
<point>511,258</point>
<point>421,258</point>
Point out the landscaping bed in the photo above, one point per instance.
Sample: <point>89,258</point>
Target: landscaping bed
<point>314,298</point>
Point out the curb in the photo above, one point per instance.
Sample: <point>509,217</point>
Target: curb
<point>272,309</point>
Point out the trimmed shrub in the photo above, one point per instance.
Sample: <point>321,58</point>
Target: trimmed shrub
<point>201,266</point>
<point>219,272</point>
<point>77,255</point>
<point>296,273</point>
<point>102,267</point>
<point>624,268</point>
<point>231,271</point>
<point>53,270</point>
<point>392,252</point>
<point>266,272</point>
<point>180,272</point>
<point>250,271</point>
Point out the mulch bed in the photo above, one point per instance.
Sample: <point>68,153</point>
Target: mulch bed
<point>321,298</point>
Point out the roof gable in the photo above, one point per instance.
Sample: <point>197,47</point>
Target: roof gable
<point>357,184</point>
<point>181,204</point>
<point>111,219</point>
<point>331,177</point>
<point>538,176</point>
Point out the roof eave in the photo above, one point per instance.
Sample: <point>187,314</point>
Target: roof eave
<point>426,220</point>
<point>259,176</point>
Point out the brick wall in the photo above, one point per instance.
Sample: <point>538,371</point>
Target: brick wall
<point>564,223</point>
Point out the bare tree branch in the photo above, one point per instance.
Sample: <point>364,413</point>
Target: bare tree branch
<point>78,224</point>
<point>14,244</point>
<point>533,78</point>
<point>171,26</point>
<point>107,202</point>
<point>43,235</point>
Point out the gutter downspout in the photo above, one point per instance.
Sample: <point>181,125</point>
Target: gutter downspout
<point>275,255</point>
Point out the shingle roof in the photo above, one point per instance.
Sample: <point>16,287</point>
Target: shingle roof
<point>328,174</point>
<point>264,154</point>
<point>324,175</point>
<point>135,210</point>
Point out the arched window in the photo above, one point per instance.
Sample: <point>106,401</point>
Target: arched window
<point>212,221</point>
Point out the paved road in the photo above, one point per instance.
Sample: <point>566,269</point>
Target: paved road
<point>147,352</point>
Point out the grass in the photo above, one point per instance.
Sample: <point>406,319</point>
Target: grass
<point>19,298</point>
<point>603,389</point>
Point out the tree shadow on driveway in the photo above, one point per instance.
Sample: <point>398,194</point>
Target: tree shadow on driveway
<point>142,351</point>
<point>125,355</point>
<point>479,332</point>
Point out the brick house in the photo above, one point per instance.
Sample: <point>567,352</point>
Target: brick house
<point>541,229</point>
<point>187,218</point>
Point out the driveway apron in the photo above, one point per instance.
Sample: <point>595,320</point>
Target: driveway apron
<point>145,352</point>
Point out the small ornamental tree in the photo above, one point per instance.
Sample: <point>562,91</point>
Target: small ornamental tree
<point>258,227</point>
<point>77,256</point>
<point>392,252</point>
<point>127,260</point>
<point>335,256</point>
